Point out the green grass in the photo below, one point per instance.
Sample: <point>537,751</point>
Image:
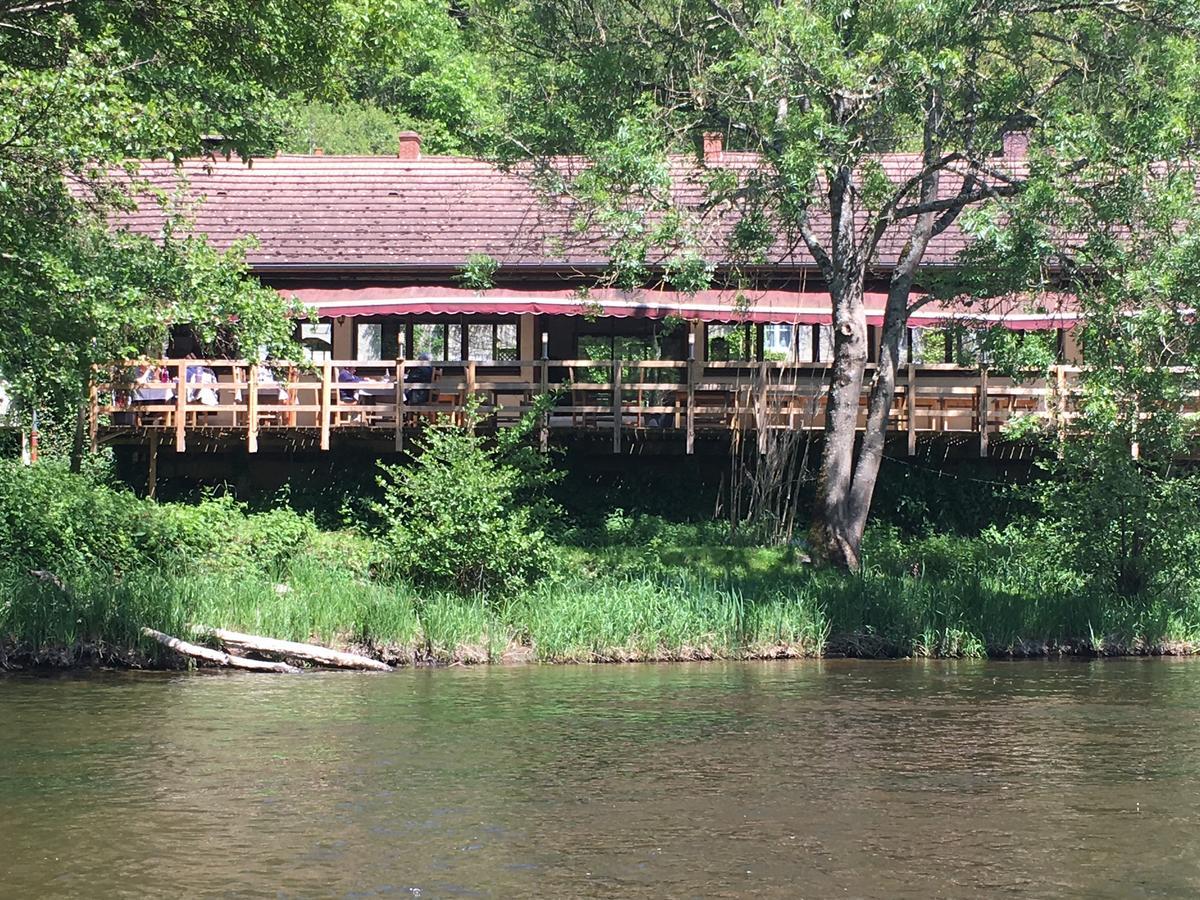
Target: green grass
<point>626,597</point>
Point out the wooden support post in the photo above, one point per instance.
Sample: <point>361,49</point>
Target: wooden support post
<point>293,395</point>
<point>910,402</point>
<point>326,396</point>
<point>616,405</point>
<point>399,405</point>
<point>763,384</point>
<point>544,423</point>
<point>181,390</point>
<point>983,412</point>
<point>1060,401</point>
<point>691,406</point>
<point>93,412</point>
<point>252,410</point>
<point>469,390</point>
<point>152,468</point>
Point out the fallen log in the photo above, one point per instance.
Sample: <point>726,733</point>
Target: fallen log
<point>311,652</point>
<point>217,656</point>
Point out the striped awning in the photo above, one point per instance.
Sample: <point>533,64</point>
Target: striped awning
<point>1046,311</point>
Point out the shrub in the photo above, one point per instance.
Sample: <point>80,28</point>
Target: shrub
<point>51,519</point>
<point>71,524</point>
<point>1131,530</point>
<point>461,515</point>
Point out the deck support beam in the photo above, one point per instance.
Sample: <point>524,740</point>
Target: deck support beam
<point>326,394</point>
<point>252,410</point>
<point>983,412</point>
<point>544,419</point>
<point>910,403</point>
<point>152,467</point>
<point>616,405</point>
<point>181,407</point>
<point>399,405</point>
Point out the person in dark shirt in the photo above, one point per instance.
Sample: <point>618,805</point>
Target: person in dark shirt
<point>420,374</point>
<point>347,375</point>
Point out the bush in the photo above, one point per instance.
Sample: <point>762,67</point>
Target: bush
<point>51,519</point>
<point>74,524</point>
<point>461,515</point>
<point>1132,531</point>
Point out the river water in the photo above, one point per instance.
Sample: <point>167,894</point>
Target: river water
<point>807,779</point>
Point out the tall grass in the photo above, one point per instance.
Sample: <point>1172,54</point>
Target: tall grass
<point>631,596</point>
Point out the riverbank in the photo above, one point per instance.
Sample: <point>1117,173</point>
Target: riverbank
<point>87,566</point>
<point>628,598</point>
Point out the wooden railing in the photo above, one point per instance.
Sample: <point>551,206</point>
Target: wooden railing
<point>621,397</point>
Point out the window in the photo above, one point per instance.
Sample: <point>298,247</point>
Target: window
<point>777,342</point>
<point>492,341</point>
<point>317,340</point>
<point>824,343</point>
<point>730,342</point>
<point>442,341</point>
<point>369,342</point>
<point>393,337</point>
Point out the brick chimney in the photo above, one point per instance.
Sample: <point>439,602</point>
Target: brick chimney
<point>1016,144</point>
<point>408,145</point>
<point>317,151</point>
<point>714,145</point>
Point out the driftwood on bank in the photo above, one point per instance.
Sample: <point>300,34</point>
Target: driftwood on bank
<point>312,652</point>
<point>217,656</point>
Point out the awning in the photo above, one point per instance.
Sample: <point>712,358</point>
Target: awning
<point>806,307</point>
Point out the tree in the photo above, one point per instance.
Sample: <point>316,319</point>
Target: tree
<point>86,86</point>
<point>403,65</point>
<point>819,90</point>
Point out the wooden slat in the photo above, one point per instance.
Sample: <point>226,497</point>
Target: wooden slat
<point>616,405</point>
<point>252,412</point>
<point>181,407</point>
<point>326,394</point>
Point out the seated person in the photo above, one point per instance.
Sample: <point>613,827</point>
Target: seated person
<point>347,375</point>
<point>203,375</point>
<point>421,374</point>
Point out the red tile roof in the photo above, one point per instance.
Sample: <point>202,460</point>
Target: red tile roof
<point>362,212</point>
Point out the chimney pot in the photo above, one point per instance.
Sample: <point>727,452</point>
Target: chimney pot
<point>1016,144</point>
<point>408,145</point>
<point>317,151</point>
<point>714,145</point>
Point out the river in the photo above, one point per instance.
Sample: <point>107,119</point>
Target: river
<point>806,779</point>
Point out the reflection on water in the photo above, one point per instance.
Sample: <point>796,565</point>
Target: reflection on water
<point>765,779</point>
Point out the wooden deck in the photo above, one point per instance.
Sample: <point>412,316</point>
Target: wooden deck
<point>675,400</point>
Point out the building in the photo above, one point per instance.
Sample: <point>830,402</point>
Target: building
<point>383,249</point>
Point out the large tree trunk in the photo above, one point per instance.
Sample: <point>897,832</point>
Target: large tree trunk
<point>831,537</point>
<point>879,408</point>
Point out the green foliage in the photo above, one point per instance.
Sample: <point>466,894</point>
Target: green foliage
<point>79,526</point>
<point>1130,531</point>
<point>479,273</point>
<point>84,88</point>
<point>462,513</point>
<point>345,128</point>
<point>415,62</point>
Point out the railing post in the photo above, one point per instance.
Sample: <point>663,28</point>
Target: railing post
<point>544,418</point>
<point>763,383</point>
<point>252,410</point>
<point>691,406</point>
<point>326,394</point>
<point>1060,402</point>
<point>399,405</point>
<point>181,390</point>
<point>910,403</point>
<point>152,468</point>
<point>983,412</point>
<point>616,405</point>
<point>93,411</point>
